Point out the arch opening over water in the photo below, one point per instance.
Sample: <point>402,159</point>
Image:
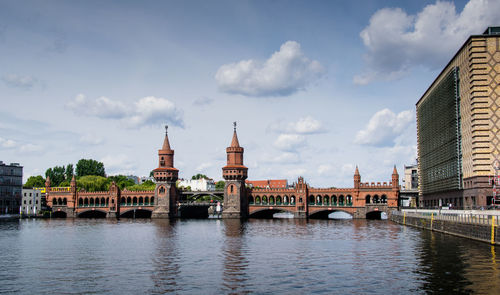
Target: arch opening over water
<point>139,213</point>
<point>59,214</point>
<point>92,214</point>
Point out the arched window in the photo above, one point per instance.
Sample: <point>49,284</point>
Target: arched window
<point>152,202</point>
<point>122,201</point>
<point>141,201</point>
<point>271,200</point>
<point>285,200</point>
<point>134,201</point>
<point>292,200</point>
<point>318,200</point>
<point>146,200</point>
<point>129,201</point>
<point>86,202</point>
<point>367,199</point>
<point>257,200</point>
<point>334,200</point>
<point>376,199</point>
<point>103,201</point>
<point>341,200</point>
<point>232,188</point>
<point>326,201</point>
<point>250,200</point>
<point>311,200</point>
<point>97,202</point>
<point>278,200</point>
<point>384,199</point>
<point>264,200</point>
<point>80,202</point>
<point>59,201</point>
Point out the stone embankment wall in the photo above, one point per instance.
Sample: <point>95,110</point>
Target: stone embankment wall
<point>480,228</point>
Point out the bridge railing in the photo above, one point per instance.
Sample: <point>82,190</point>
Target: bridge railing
<point>467,218</point>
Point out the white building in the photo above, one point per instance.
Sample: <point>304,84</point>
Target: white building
<point>33,200</point>
<point>408,194</point>
<point>201,184</point>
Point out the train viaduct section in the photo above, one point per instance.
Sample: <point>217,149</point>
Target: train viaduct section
<point>363,200</point>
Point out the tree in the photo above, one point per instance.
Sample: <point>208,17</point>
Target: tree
<point>56,174</point>
<point>90,167</point>
<point>199,176</point>
<point>147,185</point>
<point>69,172</point>
<point>122,181</point>
<point>35,181</point>
<point>219,186</point>
<point>93,183</point>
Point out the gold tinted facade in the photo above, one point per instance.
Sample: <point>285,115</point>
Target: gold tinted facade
<point>477,65</point>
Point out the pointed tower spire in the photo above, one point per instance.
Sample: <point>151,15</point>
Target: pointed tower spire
<point>166,169</point>
<point>166,143</point>
<point>235,142</point>
<point>357,178</point>
<point>395,179</point>
<point>395,171</point>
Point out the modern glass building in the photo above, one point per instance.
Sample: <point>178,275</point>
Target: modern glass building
<point>11,185</point>
<point>458,127</point>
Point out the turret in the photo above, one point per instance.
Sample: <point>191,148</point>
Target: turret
<point>234,169</point>
<point>357,178</point>
<point>166,170</point>
<point>395,179</point>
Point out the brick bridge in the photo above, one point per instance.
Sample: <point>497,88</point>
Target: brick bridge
<point>363,200</point>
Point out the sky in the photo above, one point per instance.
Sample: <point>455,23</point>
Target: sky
<point>316,87</point>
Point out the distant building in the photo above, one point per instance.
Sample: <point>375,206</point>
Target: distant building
<point>408,194</point>
<point>201,184</point>
<point>33,201</point>
<point>270,183</point>
<point>146,178</point>
<point>458,127</point>
<point>11,185</point>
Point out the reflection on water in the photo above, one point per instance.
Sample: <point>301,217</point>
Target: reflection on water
<point>233,257</point>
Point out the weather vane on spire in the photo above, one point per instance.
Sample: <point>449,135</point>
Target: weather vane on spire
<point>234,124</point>
<point>166,129</point>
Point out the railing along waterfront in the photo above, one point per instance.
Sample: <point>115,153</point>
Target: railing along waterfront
<point>466,218</point>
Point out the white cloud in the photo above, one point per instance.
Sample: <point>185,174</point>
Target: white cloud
<point>204,166</point>
<point>201,101</point>
<point>118,164</point>
<point>384,127</point>
<point>91,139</point>
<point>7,143</point>
<point>324,169</point>
<point>397,41</point>
<point>20,81</point>
<point>289,142</point>
<point>282,158</point>
<point>147,111</point>
<point>305,125</point>
<point>295,173</point>
<point>29,148</point>
<point>284,73</point>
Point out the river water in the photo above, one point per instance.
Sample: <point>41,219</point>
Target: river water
<point>85,256</point>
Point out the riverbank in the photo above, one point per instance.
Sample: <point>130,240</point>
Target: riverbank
<point>479,227</point>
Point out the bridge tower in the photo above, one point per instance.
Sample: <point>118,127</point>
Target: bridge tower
<point>357,186</point>
<point>166,175</point>
<point>235,173</point>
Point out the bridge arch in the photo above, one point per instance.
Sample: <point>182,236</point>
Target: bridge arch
<point>139,213</point>
<point>267,213</point>
<point>59,214</point>
<point>323,214</point>
<point>92,214</point>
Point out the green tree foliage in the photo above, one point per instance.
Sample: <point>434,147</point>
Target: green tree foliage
<point>93,183</point>
<point>69,172</point>
<point>56,174</point>
<point>122,181</point>
<point>152,173</point>
<point>219,186</point>
<point>35,181</point>
<point>90,167</point>
<point>199,176</point>
<point>147,185</point>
